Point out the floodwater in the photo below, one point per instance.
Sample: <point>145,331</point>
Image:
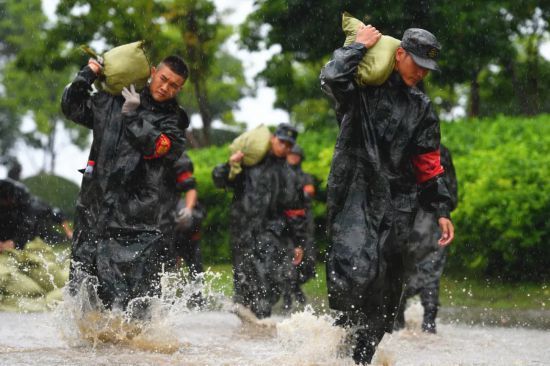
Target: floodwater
<point>176,335</point>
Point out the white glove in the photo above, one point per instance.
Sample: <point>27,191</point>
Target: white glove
<point>132,100</point>
<point>185,218</point>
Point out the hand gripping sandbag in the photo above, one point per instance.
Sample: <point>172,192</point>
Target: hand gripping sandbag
<point>123,66</point>
<point>254,144</point>
<point>379,61</point>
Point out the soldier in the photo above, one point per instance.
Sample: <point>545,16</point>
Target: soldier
<point>389,136</point>
<point>266,204</point>
<point>428,258</point>
<point>190,214</point>
<point>137,137</point>
<point>306,269</point>
<point>24,217</point>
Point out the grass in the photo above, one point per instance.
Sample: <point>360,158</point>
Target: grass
<point>455,291</point>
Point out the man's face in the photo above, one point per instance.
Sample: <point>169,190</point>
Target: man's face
<point>410,72</point>
<point>293,159</point>
<point>280,148</point>
<point>165,84</point>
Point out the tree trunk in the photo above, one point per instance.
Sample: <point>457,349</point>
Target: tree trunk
<point>473,110</point>
<point>204,110</point>
<point>195,57</point>
<point>51,147</point>
<point>531,87</point>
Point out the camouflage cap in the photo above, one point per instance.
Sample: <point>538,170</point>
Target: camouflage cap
<point>286,132</point>
<point>422,46</point>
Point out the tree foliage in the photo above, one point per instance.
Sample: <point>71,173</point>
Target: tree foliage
<point>474,36</point>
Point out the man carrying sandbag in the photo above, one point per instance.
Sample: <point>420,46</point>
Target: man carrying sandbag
<point>389,136</point>
<point>266,203</point>
<point>137,137</point>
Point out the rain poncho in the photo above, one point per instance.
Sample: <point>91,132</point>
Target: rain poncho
<point>184,240</point>
<point>117,226</point>
<point>306,269</point>
<point>266,204</point>
<point>427,257</point>
<point>387,146</point>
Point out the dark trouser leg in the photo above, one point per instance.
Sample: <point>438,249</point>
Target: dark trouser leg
<point>194,261</point>
<point>430,301</point>
<point>365,335</point>
<point>299,294</point>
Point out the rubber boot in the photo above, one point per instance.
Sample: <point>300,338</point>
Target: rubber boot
<point>299,294</point>
<point>428,323</point>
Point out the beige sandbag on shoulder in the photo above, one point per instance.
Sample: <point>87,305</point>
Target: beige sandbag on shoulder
<point>254,144</point>
<point>378,62</point>
<point>122,66</point>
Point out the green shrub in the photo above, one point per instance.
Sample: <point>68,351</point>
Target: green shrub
<point>502,218</point>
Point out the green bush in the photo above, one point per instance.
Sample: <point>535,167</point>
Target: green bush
<point>502,218</point>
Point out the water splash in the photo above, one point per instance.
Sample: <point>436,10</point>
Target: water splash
<point>312,337</point>
<point>83,320</point>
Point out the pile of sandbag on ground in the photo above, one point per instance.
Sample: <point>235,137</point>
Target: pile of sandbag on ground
<point>31,279</point>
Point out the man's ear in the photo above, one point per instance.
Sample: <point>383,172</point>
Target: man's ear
<point>399,54</point>
<point>153,71</point>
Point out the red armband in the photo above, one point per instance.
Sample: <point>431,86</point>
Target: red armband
<point>162,146</point>
<point>427,166</point>
<point>295,213</point>
<point>183,177</point>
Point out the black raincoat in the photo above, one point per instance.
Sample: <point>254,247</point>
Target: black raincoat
<point>24,216</point>
<point>306,269</point>
<point>118,235</point>
<point>389,139</point>
<point>428,257</point>
<point>183,241</point>
<point>266,204</point>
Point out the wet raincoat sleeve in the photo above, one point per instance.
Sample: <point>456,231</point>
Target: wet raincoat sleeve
<point>220,176</point>
<point>450,175</point>
<point>185,179</point>
<point>76,100</point>
<point>337,76</point>
<point>433,191</point>
<point>162,140</point>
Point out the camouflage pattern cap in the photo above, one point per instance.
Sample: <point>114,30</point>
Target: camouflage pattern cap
<point>286,132</point>
<point>422,46</point>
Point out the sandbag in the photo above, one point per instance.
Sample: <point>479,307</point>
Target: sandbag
<point>122,66</point>
<point>378,62</point>
<point>38,245</point>
<point>54,297</point>
<point>254,144</point>
<point>23,304</point>
<point>43,276</point>
<point>21,285</point>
